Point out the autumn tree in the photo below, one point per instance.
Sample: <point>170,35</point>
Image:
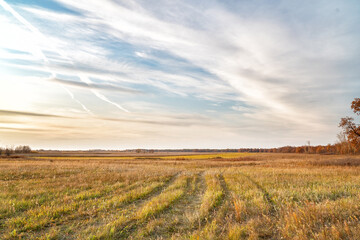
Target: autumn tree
<point>343,146</point>
<point>350,128</point>
<point>8,151</point>
<point>23,149</point>
<point>320,149</point>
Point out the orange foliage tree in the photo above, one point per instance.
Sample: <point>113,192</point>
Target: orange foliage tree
<point>350,128</point>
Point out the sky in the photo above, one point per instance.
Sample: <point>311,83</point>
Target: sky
<point>113,74</point>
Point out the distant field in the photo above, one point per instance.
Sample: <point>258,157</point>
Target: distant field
<point>178,156</point>
<point>205,196</point>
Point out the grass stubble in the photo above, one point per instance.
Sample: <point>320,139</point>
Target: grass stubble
<point>219,196</point>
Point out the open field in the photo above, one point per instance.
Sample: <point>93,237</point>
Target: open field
<point>206,196</point>
<point>141,156</point>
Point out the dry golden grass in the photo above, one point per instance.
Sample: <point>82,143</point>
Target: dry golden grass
<point>206,196</point>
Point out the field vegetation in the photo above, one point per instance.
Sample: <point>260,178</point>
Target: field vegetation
<point>206,196</point>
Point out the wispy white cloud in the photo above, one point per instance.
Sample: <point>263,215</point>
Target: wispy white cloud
<point>73,97</point>
<point>38,50</point>
<point>86,80</point>
<point>89,85</point>
<point>263,66</point>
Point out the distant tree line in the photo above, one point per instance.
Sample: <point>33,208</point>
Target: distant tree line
<point>341,147</point>
<point>8,151</point>
<point>337,148</point>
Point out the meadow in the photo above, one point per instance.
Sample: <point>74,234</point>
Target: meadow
<point>202,196</point>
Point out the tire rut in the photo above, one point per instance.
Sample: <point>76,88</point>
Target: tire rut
<point>267,197</point>
<point>214,209</point>
<point>186,206</point>
<point>134,224</point>
<point>218,213</point>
